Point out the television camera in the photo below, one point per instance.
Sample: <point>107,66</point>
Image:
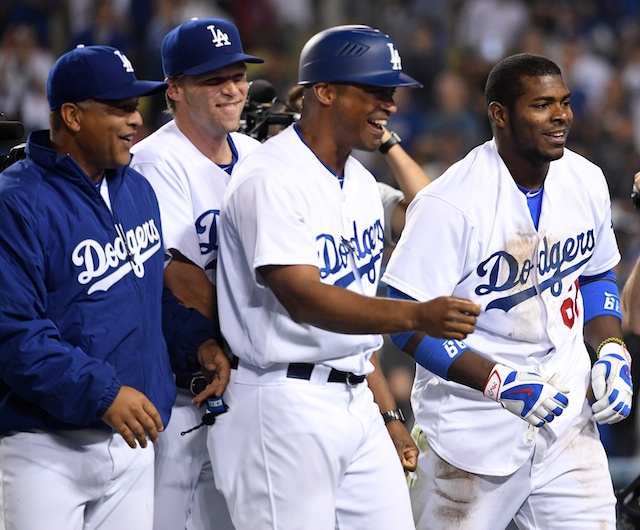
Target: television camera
<point>11,130</point>
<point>261,111</point>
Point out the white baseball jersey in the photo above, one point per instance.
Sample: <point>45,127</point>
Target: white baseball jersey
<point>525,280</point>
<point>284,207</point>
<point>190,188</point>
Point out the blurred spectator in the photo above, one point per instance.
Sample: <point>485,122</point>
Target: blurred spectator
<point>453,127</point>
<point>294,16</point>
<point>251,17</point>
<point>491,27</point>
<point>631,82</point>
<point>424,55</point>
<point>24,68</point>
<point>617,153</point>
<point>82,14</point>
<point>585,72</point>
<point>104,27</point>
<point>36,13</point>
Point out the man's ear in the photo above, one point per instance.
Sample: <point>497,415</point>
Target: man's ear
<point>498,114</point>
<point>71,116</point>
<point>325,93</point>
<point>174,89</point>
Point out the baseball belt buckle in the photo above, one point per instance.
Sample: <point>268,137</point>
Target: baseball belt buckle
<point>198,384</point>
<point>353,380</point>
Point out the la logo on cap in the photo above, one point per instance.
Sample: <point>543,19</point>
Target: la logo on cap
<point>220,38</point>
<point>125,62</point>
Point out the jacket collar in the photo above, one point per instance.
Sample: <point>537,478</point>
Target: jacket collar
<point>39,151</point>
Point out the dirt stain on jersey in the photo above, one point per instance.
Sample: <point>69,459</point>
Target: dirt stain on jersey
<point>523,247</point>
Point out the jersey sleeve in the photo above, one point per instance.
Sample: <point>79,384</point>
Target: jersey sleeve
<point>431,257</point>
<point>606,253</point>
<point>272,227</point>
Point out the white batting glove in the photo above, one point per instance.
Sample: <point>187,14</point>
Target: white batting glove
<point>526,394</point>
<point>611,383</point>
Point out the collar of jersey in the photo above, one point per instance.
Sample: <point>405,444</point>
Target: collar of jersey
<point>296,128</point>
<point>530,194</point>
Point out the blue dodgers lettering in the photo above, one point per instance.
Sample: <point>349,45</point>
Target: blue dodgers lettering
<point>367,244</point>
<point>207,228</point>
<point>550,260</point>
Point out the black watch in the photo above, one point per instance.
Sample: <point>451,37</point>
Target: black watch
<point>393,415</point>
<point>395,139</point>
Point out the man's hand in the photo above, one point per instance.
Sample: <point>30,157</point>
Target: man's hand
<point>406,447</point>
<point>134,417</point>
<point>611,383</point>
<point>216,367</point>
<point>526,394</point>
<point>448,317</point>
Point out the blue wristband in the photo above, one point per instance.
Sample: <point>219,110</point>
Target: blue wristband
<point>437,355</point>
<point>600,296</point>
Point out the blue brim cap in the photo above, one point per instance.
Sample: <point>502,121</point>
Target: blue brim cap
<point>201,46</point>
<point>96,72</point>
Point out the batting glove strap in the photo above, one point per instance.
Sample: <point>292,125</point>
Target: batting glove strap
<point>611,383</point>
<point>526,394</point>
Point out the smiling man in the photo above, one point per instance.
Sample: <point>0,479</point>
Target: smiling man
<point>85,381</point>
<point>303,444</point>
<point>523,229</point>
<point>189,162</point>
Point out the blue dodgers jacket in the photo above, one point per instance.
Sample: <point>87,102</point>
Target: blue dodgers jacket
<point>81,293</point>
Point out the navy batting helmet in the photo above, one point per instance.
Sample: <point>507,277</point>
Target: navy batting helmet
<point>352,54</point>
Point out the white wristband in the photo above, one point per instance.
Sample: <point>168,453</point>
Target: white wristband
<point>495,381</point>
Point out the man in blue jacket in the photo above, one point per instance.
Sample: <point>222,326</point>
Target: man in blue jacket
<point>85,378</point>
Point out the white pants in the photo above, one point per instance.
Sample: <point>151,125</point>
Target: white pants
<point>565,485</point>
<point>74,480</point>
<point>185,494</point>
<point>298,455</point>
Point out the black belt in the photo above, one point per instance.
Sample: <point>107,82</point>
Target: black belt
<point>194,383</point>
<point>304,371</point>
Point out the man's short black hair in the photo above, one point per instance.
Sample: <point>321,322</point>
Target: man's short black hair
<point>504,82</point>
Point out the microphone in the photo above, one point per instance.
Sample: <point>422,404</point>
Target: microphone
<point>11,130</point>
<point>207,419</point>
<point>261,92</point>
<point>215,407</point>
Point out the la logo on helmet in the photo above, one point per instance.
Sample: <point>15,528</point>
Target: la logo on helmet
<point>396,63</point>
<point>220,38</point>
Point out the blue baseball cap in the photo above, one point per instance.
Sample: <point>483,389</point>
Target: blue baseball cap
<point>201,46</point>
<point>95,72</point>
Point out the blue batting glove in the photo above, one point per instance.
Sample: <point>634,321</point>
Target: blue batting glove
<point>527,394</point>
<point>611,383</point>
